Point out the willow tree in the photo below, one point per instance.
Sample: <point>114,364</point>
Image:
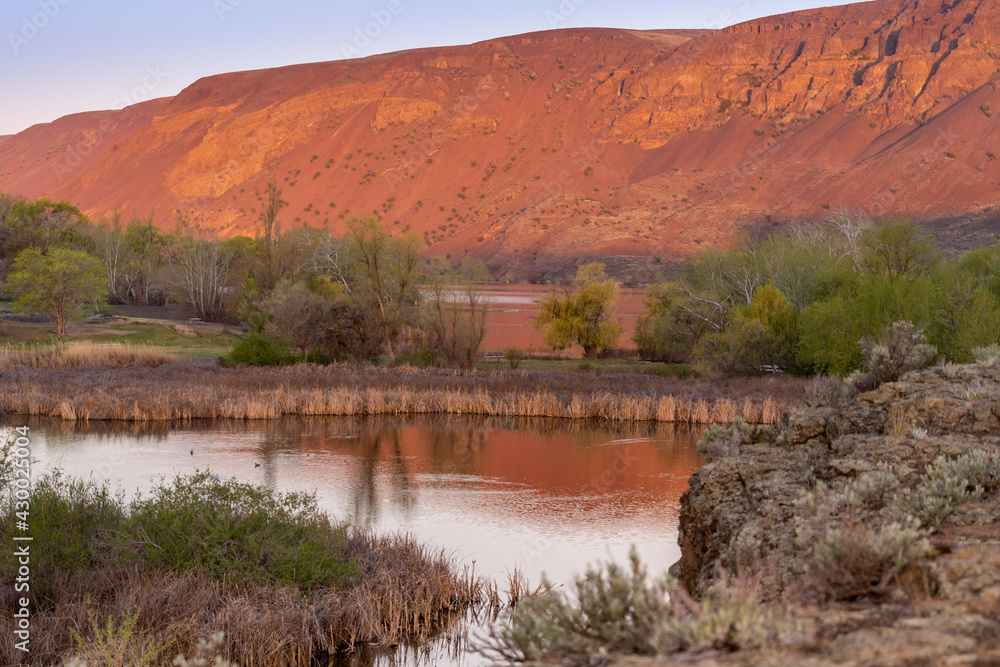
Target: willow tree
<point>581,315</point>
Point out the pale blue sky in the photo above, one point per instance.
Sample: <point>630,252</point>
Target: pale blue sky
<point>62,56</point>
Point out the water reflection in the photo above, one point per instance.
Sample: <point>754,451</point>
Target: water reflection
<point>538,495</point>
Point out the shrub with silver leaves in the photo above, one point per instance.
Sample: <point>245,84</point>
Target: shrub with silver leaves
<point>900,347</point>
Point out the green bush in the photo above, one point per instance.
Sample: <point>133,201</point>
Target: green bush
<point>513,356</point>
<point>255,350</point>
<point>318,356</point>
<point>76,520</point>
<point>680,371</point>
<point>227,530</point>
<point>116,643</point>
<point>423,357</point>
<point>241,532</point>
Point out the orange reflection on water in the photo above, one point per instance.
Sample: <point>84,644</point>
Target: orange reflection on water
<point>540,495</point>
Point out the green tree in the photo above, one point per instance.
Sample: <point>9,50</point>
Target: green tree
<point>41,224</point>
<point>131,257</point>
<point>675,319</point>
<point>582,315</point>
<point>270,230</point>
<point>896,249</point>
<point>968,310</point>
<point>860,308</point>
<point>57,283</point>
<point>763,333</point>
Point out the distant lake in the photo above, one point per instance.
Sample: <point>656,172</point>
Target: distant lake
<point>538,495</point>
<point>513,309</point>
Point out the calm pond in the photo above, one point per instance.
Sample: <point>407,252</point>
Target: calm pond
<point>537,495</point>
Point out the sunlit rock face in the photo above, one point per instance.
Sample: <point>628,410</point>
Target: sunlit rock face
<point>536,149</point>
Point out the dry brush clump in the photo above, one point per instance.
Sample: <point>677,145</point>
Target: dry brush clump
<point>135,582</point>
<point>866,533</point>
<point>185,391</point>
<point>949,483</point>
<point>720,442</point>
<point>900,347</point>
<point>619,610</point>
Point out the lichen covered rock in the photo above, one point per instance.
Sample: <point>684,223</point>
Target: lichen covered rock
<point>877,522</point>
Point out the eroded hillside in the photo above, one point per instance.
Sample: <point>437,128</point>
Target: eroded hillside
<point>531,151</point>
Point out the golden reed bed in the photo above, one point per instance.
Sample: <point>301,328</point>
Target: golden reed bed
<point>139,384</point>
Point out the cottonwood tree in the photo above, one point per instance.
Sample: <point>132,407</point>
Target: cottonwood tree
<point>41,224</point>
<point>675,320</point>
<point>758,337</point>
<point>270,231</point>
<point>582,315</point>
<point>203,273</point>
<point>330,256</point>
<point>131,257</point>
<point>386,269</point>
<point>896,249</point>
<point>56,283</point>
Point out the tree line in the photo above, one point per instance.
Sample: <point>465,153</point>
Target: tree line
<point>798,301</point>
<point>361,295</point>
<point>801,301</point>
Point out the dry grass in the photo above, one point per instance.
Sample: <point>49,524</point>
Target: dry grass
<point>181,390</point>
<point>81,354</point>
<point>407,594</point>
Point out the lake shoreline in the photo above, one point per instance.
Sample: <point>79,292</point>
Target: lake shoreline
<point>142,581</point>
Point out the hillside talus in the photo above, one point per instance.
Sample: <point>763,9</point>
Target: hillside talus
<point>539,150</point>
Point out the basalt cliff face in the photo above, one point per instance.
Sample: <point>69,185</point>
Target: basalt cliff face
<point>839,476</point>
<point>536,150</point>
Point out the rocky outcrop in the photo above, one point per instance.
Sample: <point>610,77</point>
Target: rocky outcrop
<point>849,473</point>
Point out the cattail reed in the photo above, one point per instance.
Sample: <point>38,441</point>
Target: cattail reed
<point>85,382</point>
